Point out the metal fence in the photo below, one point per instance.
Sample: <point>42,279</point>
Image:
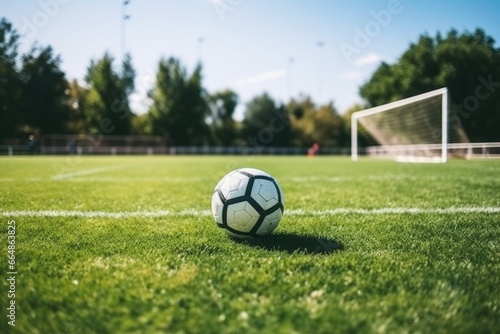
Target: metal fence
<point>166,150</point>
<point>454,150</point>
<point>468,151</point>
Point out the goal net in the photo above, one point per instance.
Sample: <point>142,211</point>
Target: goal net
<point>415,129</point>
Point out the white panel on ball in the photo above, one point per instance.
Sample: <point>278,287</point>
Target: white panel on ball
<point>270,222</point>
<point>234,186</point>
<point>265,193</point>
<point>217,207</point>
<point>242,216</point>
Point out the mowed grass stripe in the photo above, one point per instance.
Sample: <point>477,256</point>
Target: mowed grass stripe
<point>293,212</point>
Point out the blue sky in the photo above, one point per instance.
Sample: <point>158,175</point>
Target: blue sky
<point>247,44</point>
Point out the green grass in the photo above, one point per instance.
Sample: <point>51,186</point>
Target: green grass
<point>425,272</point>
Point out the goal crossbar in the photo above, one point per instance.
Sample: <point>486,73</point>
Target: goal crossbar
<point>401,103</point>
<point>397,104</point>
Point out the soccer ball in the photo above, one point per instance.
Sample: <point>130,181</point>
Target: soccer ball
<point>247,202</point>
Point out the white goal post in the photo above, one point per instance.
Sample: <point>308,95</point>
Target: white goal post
<point>414,129</point>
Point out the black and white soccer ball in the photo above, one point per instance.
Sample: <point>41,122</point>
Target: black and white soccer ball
<point>247,202</point>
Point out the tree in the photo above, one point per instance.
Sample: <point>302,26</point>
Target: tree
<point>76,103</point>
<point>266,123</point>
<point>302,124</point>
<point>328,128</point>
<point>467,63</point>
<point>179,108</point>
<point>222,106</point>
<point>45,91</point>
<point>127,78</point>
<point>10,83</point>
<point>141,124</point>
<point>311,124</point>
<point>107,106</point>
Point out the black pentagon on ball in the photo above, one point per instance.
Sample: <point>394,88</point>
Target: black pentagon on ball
<point>248,198</point>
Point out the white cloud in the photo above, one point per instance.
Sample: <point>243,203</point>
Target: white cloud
<point>262,77</point>
<point>368,59</point>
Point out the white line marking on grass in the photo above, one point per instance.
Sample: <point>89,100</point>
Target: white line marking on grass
<point>84,172</point>
<point>119,179</point>
<point>105,179</point>
<point>105,214</point>
<point>385,211</point>
<point>293,212</point>
<point>380,177</point>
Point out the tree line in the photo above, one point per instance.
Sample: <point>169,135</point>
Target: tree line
<point>37,98</point>
<point>468,64</point>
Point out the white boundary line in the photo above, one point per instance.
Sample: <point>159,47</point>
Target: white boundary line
<point>84,172</point>
<point>204,213</point>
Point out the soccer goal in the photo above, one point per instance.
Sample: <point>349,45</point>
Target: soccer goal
<point>415,129</point>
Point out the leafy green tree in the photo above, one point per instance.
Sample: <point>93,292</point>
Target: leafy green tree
<point>302,125</point>
<point>10,83</point>
<point>141,125</point>
<point>107,106</point>
<point>45,91</point>
<point>467,63</point>
<point>312,124</point>
<point>179,110</point>
<point>127,78</point>
<point>222,106</point>
<point>328,129</point>
<point>76,103</point>
<point>266,123</point>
